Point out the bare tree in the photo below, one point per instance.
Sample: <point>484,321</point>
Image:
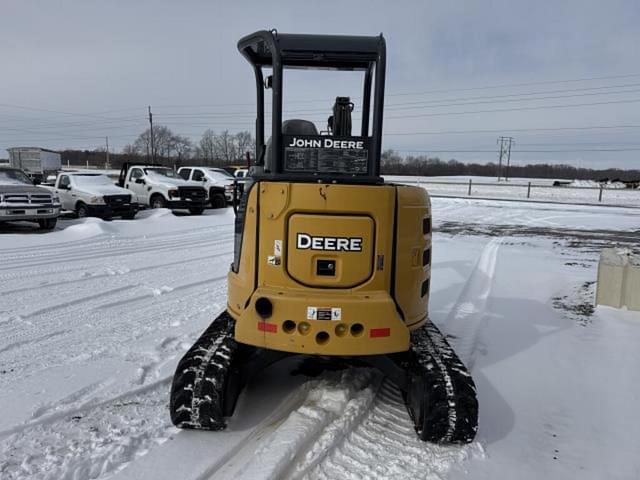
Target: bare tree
<point>208,146</point>
<point>182,146</point>
<point>131,149</point>
<point>162,142</point>
<point>244,143</point>
<point>225,147</point>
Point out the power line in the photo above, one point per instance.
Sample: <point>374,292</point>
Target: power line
<point>555,144</point>
<point>34,109</point>
<point>512,100</point>
<point>523,94</point>
<point>542,107</point>
<point>513,85</point>
<point>498,130</point>
<point>429,92</point>
<point>424,92</point>
<point>106,123</point>
<point>412,105</point>
<point>527,151</point>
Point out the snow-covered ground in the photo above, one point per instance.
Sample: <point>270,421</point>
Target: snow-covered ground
<point>541,190</point>
<point>94,317</point>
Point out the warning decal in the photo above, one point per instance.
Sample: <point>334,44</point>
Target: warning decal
<point>324,313</point>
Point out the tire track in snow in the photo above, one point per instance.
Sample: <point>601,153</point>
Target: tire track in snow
<point>99,243</point>
<point>92,441</point>
<point>73,303</point>
<point>142,298</point>
<point>14,345</point>
<point>98,276</point>
<point>59,314</point>
<point>84,399</point>
<point>164,246</point>
<point>72,245</point>
<point>84,314</point>
<point>468,315</point>
<point>93,429</point>
<point>112,248</point>
<point>383,444</point>
<point>351,425</point>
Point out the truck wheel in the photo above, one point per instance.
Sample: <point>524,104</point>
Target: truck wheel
<point>129,216</point>
<point>218,200</point>
<point>157,201</point>
<point>196,210</point>
<point>47,223</point>
<point>82,210</point>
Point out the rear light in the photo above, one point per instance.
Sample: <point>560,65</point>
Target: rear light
<point>267,327</point>
<point>379,332</point>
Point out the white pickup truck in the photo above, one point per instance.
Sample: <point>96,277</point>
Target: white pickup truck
<point>93,195</point>
<point>220,184</point>
<point>160,187</point>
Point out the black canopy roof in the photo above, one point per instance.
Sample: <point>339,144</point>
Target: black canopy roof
<point>266,48</point>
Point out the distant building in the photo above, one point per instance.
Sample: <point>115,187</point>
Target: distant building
<point>35,161</point>
<point>4,162</point>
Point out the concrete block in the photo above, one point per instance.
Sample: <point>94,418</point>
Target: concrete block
<point>618,279</point>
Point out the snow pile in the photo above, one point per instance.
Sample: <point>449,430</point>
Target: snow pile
<point>595,184</point>
<point>584,184</point>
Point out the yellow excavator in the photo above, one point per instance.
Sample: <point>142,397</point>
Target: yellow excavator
<point>331,262</point>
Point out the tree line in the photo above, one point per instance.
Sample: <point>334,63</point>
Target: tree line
<point>395,164</point>
<point>225,148</point>
<point>213,149</point>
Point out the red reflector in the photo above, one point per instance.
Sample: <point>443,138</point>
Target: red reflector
<point>379,332</point>
<point>267,327</point>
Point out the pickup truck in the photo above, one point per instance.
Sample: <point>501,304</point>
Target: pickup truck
<point>21,200</point>
<point>219,183</point>
<point>156,186</point>
<point>93,195</point>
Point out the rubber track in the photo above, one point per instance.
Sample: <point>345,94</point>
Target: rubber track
<point>197,391</point>
<point>443,389</point>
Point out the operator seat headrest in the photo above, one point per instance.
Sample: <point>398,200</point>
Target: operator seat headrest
<point>294,126</point>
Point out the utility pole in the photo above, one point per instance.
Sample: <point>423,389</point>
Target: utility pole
<point>153,153</point>
<point>106,165</point>
<point>511,140</point>
<point>505,148</point>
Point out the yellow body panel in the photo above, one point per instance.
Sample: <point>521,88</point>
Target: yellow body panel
<point>375,296</point>
<point>413,254</point>
<point>351,268</point>
<point>241,284</point>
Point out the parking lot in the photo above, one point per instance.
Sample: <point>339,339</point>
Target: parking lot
<point>67,219</point>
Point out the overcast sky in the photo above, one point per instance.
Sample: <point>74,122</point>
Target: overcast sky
<point>73,72</point>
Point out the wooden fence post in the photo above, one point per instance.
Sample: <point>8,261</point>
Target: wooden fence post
<point>469,187</point>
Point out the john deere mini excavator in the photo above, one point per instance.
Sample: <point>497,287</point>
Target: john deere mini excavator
<point>331,262</point>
